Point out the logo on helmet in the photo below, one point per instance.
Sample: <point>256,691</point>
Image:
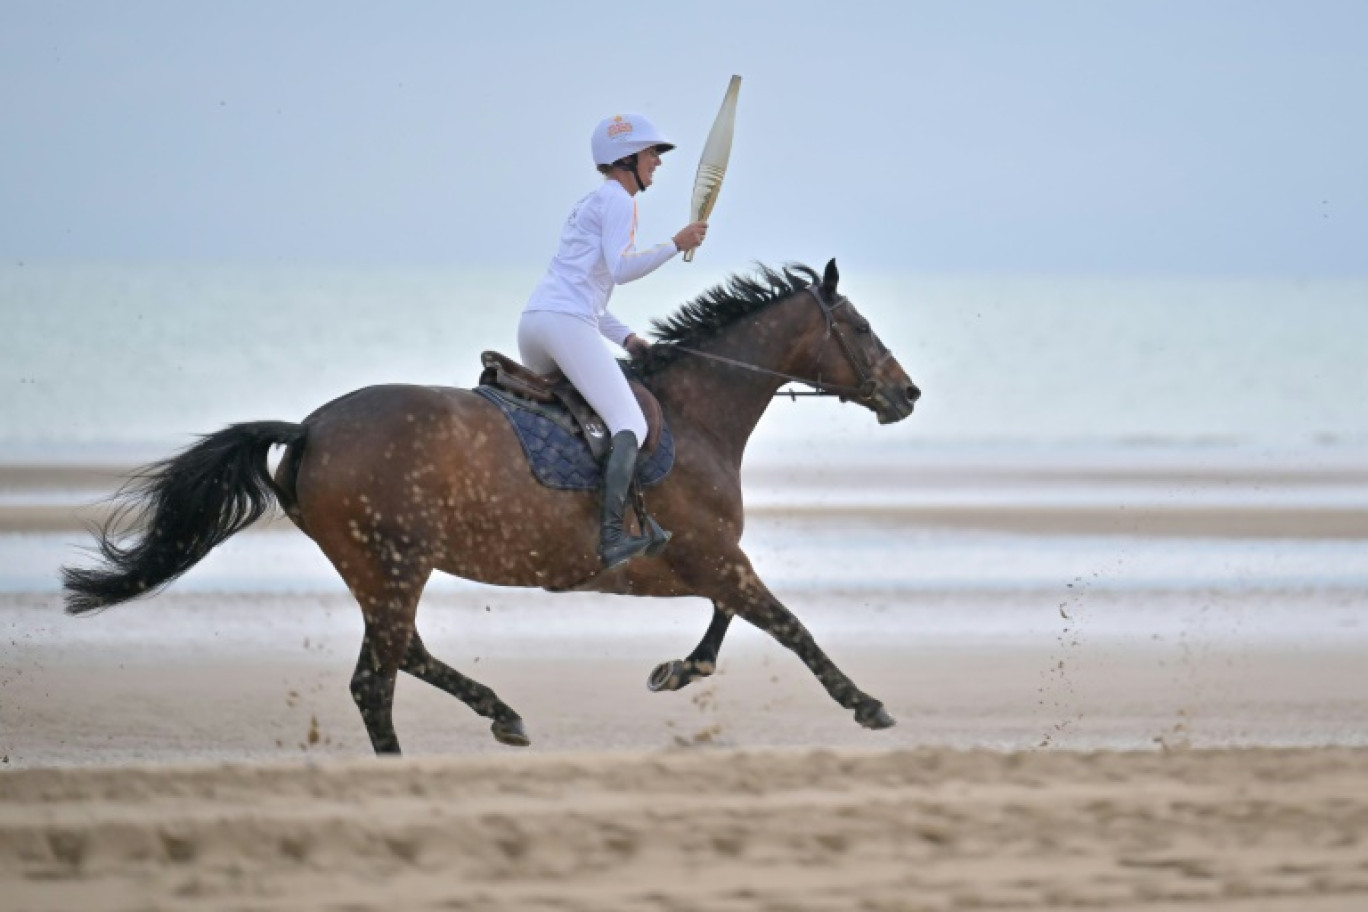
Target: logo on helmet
<point>619,127</point>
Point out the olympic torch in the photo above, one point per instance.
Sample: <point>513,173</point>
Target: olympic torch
<point>712,166</point>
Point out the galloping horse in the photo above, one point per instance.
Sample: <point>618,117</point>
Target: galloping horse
<point>393,482</point>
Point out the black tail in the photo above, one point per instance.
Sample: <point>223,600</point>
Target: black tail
<point>180,510</point>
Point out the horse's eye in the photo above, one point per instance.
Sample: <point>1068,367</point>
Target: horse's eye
<point>862,326</point>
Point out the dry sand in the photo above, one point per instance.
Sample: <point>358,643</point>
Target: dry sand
<point>897,830</point>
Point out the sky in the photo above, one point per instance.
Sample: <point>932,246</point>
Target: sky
<point>1221,137</point>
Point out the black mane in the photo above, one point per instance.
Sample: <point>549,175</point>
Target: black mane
<point>718,307</point>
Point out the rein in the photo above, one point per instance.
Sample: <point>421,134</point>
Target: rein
<point>861,393</point>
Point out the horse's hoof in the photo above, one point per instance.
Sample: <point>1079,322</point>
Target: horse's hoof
<point>667,676</point>
<point>511,733</point>
<point>876,718</point>
<point>677,674</point>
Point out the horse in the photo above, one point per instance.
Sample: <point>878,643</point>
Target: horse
<point>394,482</point>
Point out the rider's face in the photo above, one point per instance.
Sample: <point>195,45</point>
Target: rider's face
<point>647,162</point>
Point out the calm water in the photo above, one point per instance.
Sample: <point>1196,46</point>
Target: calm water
<point>119,359</point>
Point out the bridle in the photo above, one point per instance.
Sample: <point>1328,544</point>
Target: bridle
<point>865,386</point>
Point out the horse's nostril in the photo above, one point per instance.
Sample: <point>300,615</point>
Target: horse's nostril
<point>913,394</point>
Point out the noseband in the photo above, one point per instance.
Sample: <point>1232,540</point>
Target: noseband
<point>865,386</point>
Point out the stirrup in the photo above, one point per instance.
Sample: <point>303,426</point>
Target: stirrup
<point>658,537</point>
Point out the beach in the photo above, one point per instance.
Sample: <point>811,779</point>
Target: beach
<point>1110,577</point>
<point>1125,681</point>
<point>1264,830</point>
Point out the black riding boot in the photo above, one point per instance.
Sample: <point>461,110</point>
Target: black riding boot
<point>615,545</point>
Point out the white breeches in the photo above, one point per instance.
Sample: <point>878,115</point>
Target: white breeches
<point>548,340</point>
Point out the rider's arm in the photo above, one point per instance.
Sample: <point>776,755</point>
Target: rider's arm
<point>624,261</point>
<point>613,329</point>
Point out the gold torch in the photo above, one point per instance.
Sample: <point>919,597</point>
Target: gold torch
<point>712,166</point>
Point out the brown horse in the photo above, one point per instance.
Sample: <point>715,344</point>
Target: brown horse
<point>394,482</point>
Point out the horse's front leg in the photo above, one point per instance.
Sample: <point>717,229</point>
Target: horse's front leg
<point>754,602</point>
<point>701,663</point>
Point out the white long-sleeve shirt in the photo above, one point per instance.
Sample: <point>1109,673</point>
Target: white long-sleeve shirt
<point>597,251</point>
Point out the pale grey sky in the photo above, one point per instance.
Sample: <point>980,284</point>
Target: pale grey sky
<point>1202,136</point>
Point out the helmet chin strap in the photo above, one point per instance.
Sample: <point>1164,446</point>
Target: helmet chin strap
<point>636,175</point>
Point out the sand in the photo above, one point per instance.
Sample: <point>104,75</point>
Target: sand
<point>1164,739</point>
<point>930,829</point>
<point>199,751</point>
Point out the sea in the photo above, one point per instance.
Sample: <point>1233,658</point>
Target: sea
<point>1038,392</point>
<point>114,361</point>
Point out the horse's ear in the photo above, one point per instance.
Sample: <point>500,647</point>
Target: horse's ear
<point>830,277</point>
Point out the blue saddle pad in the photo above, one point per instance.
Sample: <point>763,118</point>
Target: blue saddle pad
<point>560,458</point>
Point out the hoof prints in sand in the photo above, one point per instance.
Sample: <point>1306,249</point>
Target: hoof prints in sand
<point>899,830</point>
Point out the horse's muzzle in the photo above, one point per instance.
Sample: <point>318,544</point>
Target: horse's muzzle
<point>893,404</point>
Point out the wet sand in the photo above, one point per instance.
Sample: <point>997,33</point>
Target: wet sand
<point>1131,497</point>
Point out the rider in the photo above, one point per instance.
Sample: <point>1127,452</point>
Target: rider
<point>568,310</point>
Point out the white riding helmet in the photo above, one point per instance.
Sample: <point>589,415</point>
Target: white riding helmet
<point>622,135</point>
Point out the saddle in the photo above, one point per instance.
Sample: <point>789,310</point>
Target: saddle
<point>555,398</point>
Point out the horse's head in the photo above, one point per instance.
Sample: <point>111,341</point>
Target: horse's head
<point>851,360</point>
<point>813,336</point>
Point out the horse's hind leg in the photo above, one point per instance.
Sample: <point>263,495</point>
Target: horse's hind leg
<point>701,662</point>
<point>387,586</point>
<point>507,726</point>
<point>372,687</point>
